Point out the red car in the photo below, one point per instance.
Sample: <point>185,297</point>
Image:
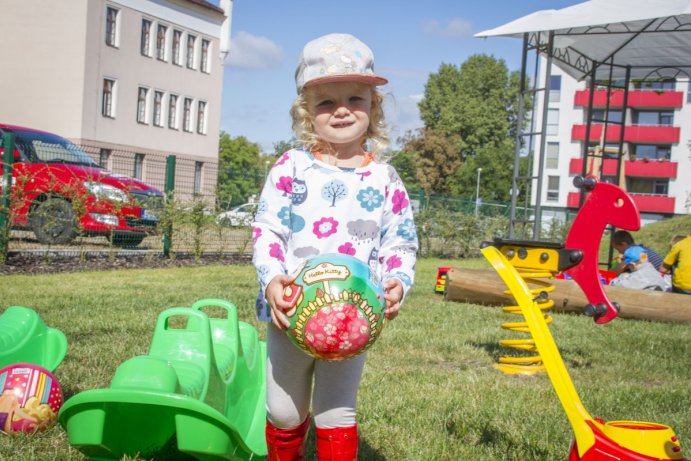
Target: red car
<point>59,192</point>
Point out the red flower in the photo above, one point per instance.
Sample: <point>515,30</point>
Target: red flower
<point>347,249</point>
<point>285,183</point>
<point>399,200</point>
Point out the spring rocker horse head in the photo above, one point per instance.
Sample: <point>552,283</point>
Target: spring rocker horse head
<point>606,204</point>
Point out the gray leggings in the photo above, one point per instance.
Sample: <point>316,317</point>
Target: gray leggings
<point>293,378</point>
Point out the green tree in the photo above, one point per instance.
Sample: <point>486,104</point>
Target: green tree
<point>478,102</point>
<point>404,162</point>
<point>512,107</point>
<point>436,158</point>
<point>283,146</point>
<point>240,170</point>
<point>495,178</point>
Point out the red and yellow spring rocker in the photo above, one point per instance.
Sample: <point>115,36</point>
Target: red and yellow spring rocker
<point>595,440</point>
<point>537,262</point>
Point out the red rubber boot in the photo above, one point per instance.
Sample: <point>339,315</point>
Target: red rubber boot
<point>337,444</point>
<point>286,444</point>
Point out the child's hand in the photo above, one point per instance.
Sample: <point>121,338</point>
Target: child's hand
<point>274,296</point>
<point>393,293</point>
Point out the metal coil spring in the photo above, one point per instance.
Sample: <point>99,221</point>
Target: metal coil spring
<point>527,364</point>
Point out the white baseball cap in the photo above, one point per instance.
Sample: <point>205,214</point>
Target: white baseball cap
<point>336,58</point>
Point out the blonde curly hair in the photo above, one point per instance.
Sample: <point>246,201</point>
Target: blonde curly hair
<point>303,126</point>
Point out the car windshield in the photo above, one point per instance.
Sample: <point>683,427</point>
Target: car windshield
<point>50,148</point>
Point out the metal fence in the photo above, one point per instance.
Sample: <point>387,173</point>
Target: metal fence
<point>456,226</point>
<point>186,220</point>
<point>63,203</point>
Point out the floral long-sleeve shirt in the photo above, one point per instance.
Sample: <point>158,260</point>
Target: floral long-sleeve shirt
<point>309,208</point>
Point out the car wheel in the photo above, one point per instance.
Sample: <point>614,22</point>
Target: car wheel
<point>126,240</point>
<point>53,221</point>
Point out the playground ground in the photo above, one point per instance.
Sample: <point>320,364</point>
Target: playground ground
<point>429,390</point>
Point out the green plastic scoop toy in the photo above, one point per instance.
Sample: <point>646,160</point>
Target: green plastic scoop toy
<point>201,391</point>
<point>25,338</point>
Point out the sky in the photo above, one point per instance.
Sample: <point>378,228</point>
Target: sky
<point>410,40</point>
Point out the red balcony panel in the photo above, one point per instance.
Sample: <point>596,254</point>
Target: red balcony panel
<point>651,169</point>
<point>638,168</point>
<point>641,99</point>
<point>645,203</point>
<point>642,134</point>
<point>638,99</point>
<point>573,199</point>
<point>576,166</point>
<point>653,203</point>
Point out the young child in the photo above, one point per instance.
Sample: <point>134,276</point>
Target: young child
<point>332,195</point>
<point>679,260</point>
<point>632,253</point>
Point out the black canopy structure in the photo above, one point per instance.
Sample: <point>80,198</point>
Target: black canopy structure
<point>610,44</point>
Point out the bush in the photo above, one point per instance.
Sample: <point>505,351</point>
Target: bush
<point>451,234</point>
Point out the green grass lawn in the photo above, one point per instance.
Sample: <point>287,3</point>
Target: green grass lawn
<point>430,391</point>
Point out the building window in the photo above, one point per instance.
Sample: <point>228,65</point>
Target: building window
<point>138,172</point>
<point>173,111</point>
<point>553,122</point>
<point>197,187</point>
<point>177,52</point>
<point>112,15</point>
<point>654,118</point>
<point>552,188</point>
<point>142,97</point>
<point>647,186</point>
<point>161,33</point>
<point>612,116</point>
<point>658,85</point>
<point>661,187</point>
<point>609,150</point>
<point>158,108</point>
<point>201,117</point>
<point>187,115</point>
<point>104,158</point>
<point>649,151</point>
<point>191,41</point>
<point>108,98</point>
<point>552,158</point>
<point>554,88</point>
<point>145,46</point>
<point>204,64</point>
<point>610,84</point>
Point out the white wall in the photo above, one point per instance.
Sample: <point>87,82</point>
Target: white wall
<point>42,87</point>
<point>58,53</point>
<point>570,115</point>
<point>681,186</point>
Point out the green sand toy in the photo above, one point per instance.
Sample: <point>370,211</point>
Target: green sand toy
<point>25,338</point>
<point>201,391</point>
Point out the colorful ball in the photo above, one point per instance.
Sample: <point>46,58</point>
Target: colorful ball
<point>337,307</point>
<point>30,398</point>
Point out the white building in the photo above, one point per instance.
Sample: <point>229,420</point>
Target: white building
<point>131,81</point>
<point>656,155</point>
